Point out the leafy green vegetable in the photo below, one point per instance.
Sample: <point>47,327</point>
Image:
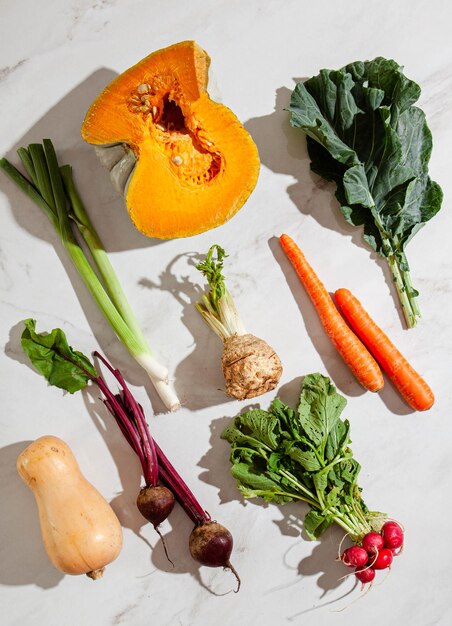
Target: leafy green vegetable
<point>365,135</point>
<point>283,454</point>
<point>54,358</point>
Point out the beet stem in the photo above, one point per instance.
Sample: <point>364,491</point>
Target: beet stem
<point>133,415</point>
<point>118,412</point>
<point>130,415</point>
<point>181,490</point>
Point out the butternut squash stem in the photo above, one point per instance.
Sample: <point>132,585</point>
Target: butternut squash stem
<point>49,195</point>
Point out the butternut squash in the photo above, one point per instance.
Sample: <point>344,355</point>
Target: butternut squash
<point>81,533</point>
<point>184,162</point>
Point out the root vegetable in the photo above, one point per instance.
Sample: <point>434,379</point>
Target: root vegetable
<point>411,386</point>
<point>382,560</point>
<point>155,503</point>
<point>211,544</point>
<point>353,352</point>
<point>250,366</point>
<point>373,543</point>
<point>365,574</point>
<point>354,556</point>
<point>393,535</point>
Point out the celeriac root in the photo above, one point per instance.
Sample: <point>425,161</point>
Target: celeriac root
<point>250,366</point>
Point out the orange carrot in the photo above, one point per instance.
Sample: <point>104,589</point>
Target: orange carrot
<point>355,355</point>
<point>409,383</point>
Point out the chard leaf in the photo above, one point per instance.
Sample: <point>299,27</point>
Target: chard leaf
<point>365,134</point>
<point>52,356</point>
<point>320,408</point>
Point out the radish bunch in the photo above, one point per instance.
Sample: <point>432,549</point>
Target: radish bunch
<point>376,551</point>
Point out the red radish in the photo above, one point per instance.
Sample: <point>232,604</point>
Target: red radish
<point>365,574</point>
<point>382,560</point>
<point>392,534</point>
<point>354,556</point>
<point>373,543</point>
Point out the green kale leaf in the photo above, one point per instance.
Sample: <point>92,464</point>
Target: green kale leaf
<point>365,134</point>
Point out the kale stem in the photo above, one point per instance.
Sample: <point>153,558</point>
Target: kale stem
<point>405,291</point>
<point>398,265</point>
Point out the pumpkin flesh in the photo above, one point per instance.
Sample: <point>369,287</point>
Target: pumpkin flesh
<point>196,164</point>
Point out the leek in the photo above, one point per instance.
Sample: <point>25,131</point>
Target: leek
<point>53,190</point>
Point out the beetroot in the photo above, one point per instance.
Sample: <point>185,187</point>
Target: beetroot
<point>211,544</point>
<point>382,560</point>
<point>155,503</point>
<point>365,574</point>
<point>392,534</point>
<point>354,556</point>
<point>372,543</point>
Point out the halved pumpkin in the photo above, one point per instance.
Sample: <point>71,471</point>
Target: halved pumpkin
<point>184,162</point>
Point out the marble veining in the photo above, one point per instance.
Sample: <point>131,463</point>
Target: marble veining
<point>54,59</point>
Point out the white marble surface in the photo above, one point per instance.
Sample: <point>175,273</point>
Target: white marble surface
<point>54,58</point>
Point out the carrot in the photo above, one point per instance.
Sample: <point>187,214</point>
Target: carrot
<point>412,387</point>
<point>355,355</point>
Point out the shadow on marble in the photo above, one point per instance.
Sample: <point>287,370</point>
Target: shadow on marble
<point>13,348</point>
<point>199,381</point>
<point>24,561</point>
<point>283,150</point>
<point>177,540</point>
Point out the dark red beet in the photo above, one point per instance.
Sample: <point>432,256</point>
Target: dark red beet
<point>354,556</point>
<point>373,543</point>
<point>392,534</point>
<point>211,544</point>
<point>155,503</point>
<point>365,574</point>
<point>382,560</point>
